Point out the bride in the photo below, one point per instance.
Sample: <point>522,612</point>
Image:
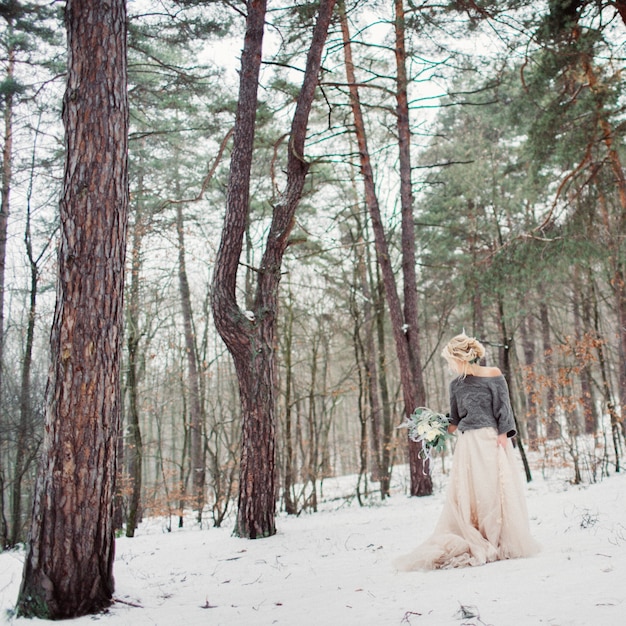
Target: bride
<point>484,517</point>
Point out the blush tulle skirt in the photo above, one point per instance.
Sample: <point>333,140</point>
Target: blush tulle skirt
<point>485,516</point>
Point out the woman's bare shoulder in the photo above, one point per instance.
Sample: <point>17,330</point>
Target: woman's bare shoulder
<point>489,372</point>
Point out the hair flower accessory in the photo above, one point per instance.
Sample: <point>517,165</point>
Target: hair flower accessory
<point>429,428</point>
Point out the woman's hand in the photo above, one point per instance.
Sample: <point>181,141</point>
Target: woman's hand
<point>503,440</point>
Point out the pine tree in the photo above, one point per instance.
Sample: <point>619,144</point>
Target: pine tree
<point>68,569</point>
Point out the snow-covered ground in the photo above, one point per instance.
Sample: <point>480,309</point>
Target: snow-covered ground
<point>334,567</point>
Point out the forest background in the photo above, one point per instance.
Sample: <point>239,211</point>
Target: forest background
<point>517,198</point>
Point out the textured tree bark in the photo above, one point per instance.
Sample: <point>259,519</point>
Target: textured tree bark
<point>256,513</point>
<point>249,336</point>
<point>68,569</point>
<point>413,396</point>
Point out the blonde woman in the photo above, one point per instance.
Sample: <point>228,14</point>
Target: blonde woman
<point>484,517</point>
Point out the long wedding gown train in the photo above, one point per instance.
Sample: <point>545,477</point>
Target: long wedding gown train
<point>485,516</point>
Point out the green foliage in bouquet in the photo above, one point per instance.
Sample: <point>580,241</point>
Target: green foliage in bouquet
<point>429,428</point>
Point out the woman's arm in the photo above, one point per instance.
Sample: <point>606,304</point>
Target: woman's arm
<point>452,428</point>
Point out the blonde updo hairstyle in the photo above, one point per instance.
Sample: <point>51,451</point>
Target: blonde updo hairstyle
<point>464,350</point>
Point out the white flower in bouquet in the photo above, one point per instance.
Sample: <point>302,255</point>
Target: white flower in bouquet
<point>423,427</point>
<point>432,435</point>
<point>429,428</point>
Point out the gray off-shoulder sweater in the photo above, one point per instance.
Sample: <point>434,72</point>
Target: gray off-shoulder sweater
<point>481,401</point>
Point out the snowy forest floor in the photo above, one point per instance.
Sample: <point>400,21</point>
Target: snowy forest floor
<point>335,567</point>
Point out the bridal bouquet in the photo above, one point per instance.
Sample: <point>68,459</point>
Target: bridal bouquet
<point>429,428</point>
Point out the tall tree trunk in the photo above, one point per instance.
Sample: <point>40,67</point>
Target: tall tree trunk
<point>249,336</point>
<point>5,192</point>
<point>289,477</point>
<point>196,421</point>
<point>505,365</point>
<point>4,526</point>
<point>183,474</point>
<point>369,362</point>
<point>365,350</point>
<point>363,387</point>
<point>68,570</point>
<point>527,330</point>
<point>312,461</point>
<point>553,428</point>
<point>474,285</point>
<point>364,278</point>
<point>619,286</point>
<point>329,402</point>
<point>421,483</point>
<point>253,363</point>
<point>134,447</point>
<point>385,398</point>
<point>406,204</point>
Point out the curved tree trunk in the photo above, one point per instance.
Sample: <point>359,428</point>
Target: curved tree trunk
<point>68,569</point>
<point>249,336</point>
<point>256,506</point>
